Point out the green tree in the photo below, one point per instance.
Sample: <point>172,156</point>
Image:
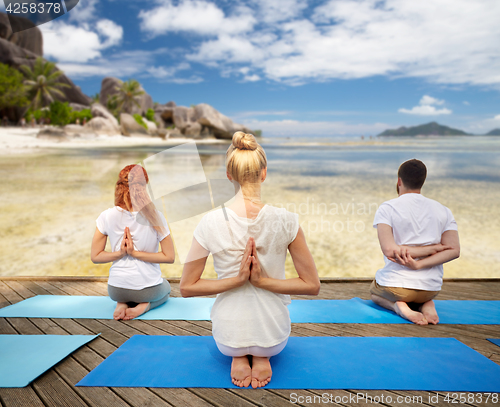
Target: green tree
<point>129,94</point>
<point>138,119</point>
<point>12,89</point>
<point>60,113</point>
<point>150,115</point>
<point>43,82</point>
<point>82,114</point>
<point>95,97</point>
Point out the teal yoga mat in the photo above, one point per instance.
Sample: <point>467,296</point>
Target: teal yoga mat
<point>351,311</point>
<point>25,357</point>
<point>437,364</point>
<point>99,307</point>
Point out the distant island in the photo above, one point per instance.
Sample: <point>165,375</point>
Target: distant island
<point>494,132</point>
<point>429,129</point>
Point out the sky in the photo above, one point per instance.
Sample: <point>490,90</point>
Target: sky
<point>295,67</point>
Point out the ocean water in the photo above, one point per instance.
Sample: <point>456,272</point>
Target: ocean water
<point>49,201</point>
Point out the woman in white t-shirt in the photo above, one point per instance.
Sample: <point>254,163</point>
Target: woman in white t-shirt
<point>249,242</point>
<point>134,228</point>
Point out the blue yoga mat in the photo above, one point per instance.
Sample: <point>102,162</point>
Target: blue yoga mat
<point>431,364</point>
<point>495,341</point>
<point>25,357</point>
<point>352,311</point>
<point>358,311</point>
<point>99,307</point>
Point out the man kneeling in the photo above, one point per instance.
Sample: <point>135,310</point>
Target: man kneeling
<point>417,235</point>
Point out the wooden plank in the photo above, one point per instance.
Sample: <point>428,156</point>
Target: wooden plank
<point>51,289</point>
<point>98,288</point>
<point>140,397</point>
<point>72,372</point>
<point>55,392</point>
<point>4,302</point>
<point>66,287</point>
<point>180,397</point>
<point>6,328</point>
<point>99,345</point>
<point>193,328</point>
<point>34,287</point>
<point>115,338</point>
<point>24,397</point>
<point>9,294</point>
<point>222,397</point>
<point>91,356</point>
<point>262,397</point>
<point>20,289</point>
<point>121,327</point>
<point>304,398</point>
<point>24,326</point>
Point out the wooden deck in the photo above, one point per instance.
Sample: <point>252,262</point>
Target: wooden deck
<point>56,387</point>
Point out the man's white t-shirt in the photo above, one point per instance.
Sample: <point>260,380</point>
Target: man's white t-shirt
<point>129,272</point>
<point>249,316</point>
<point>415,221</point>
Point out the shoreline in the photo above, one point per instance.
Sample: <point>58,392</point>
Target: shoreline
<point>17,140</point>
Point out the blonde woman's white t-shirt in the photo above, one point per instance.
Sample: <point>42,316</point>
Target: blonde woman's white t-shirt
<point>129,272</point>
<point>249,316</point>
<point>415,221</point>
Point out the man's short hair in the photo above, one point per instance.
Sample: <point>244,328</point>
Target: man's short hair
<point>413,174</point>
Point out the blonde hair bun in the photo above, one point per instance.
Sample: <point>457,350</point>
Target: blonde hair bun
<point>244,141</point>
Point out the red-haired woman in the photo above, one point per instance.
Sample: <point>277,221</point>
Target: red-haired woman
<point>134,228</point>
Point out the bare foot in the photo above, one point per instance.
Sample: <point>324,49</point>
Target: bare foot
<point>429,312</point>
<point>261,372</point>
<point>120,310</point>
<point>241,373</point>
<point>403,310</point>
<point>139,309</point>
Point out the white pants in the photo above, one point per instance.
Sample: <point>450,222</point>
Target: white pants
<point>258,351</point>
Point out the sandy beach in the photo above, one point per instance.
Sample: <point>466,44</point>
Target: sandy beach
<point>53,192</point>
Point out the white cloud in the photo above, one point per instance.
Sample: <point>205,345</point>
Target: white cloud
<point>317,128</point>
<point>429,100</point>
<point>466,103</point>
<point>168,74</point>
<point>84,11</point>
<point>443,41</point>
<point>497,117</point>
<point>123,64</point>
<point>274,11</point>
<point>111,31</point>
<point>251,78</point>
<point>253,113</point>
<point>79,43</point>
<point>426,108</point>
<point>197,16</point>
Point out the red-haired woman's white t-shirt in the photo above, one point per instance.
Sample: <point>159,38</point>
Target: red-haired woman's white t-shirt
<point>129,272</point>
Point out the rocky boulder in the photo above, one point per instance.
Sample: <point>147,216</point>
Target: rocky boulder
<point>52,134</point>
<point>220,125</point>
<point>152,128</point>
<point>183,117</point>
<point>27,35</point>
<point>77,130</point>
<point>109,87</point>
<point>164,114</point>
<point>98,110</point>
<point>130,127</point>
<point>77,107</point>
<point>102,126</point>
